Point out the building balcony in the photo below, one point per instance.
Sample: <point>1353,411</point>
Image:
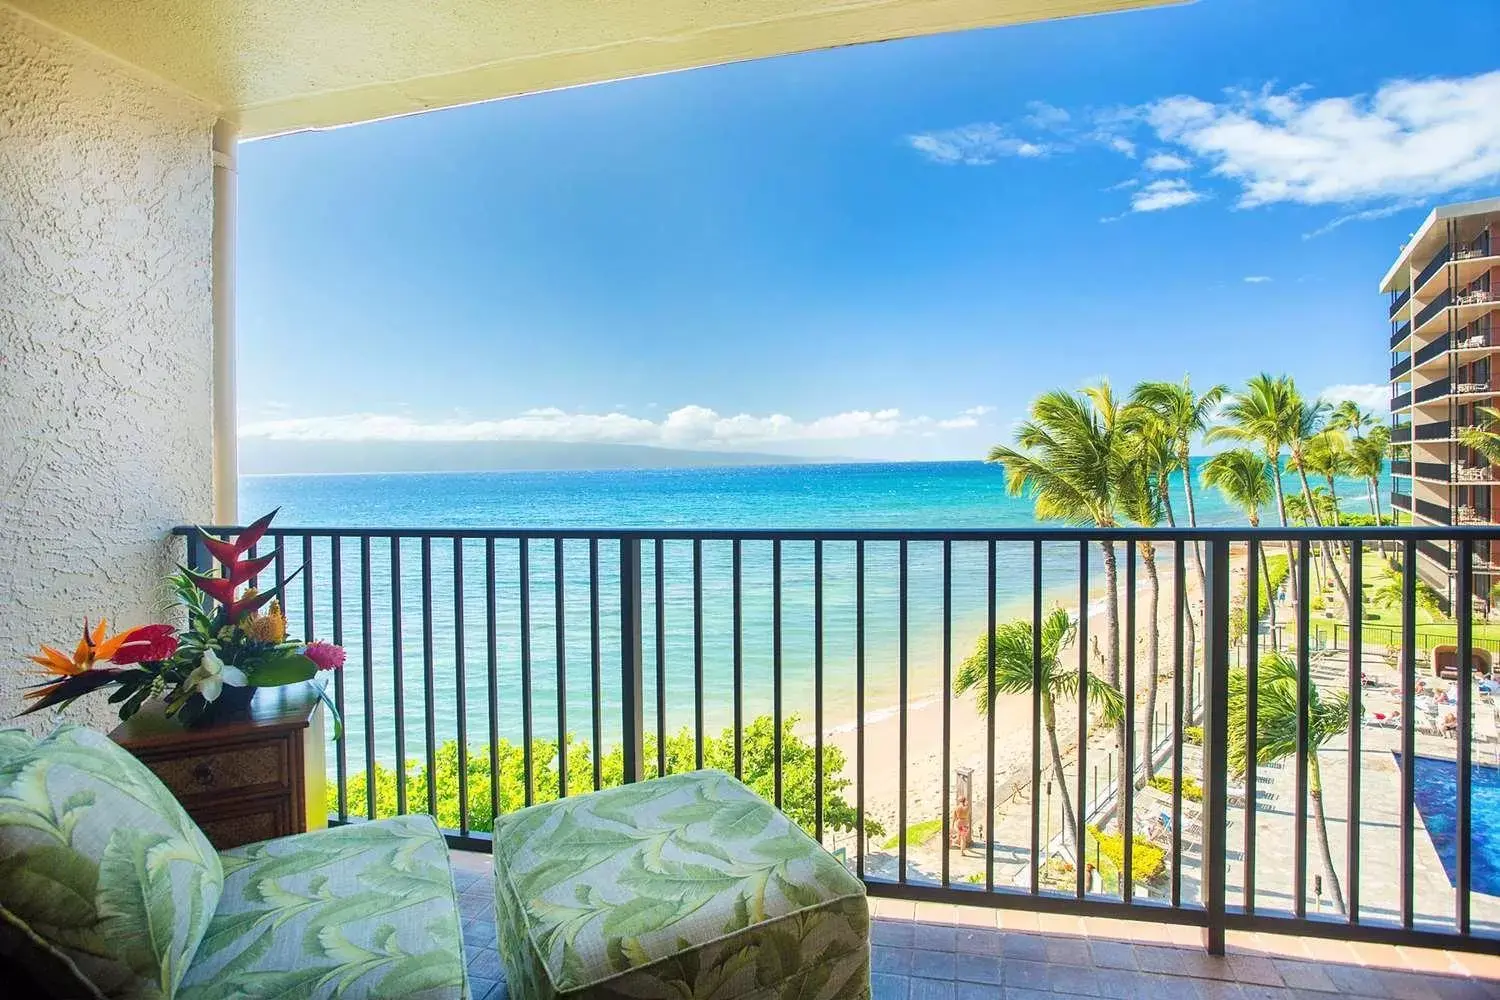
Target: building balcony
<point>1432,471</point>
<point>1438,430</point>
<point>1401,501</point>
<point>1401,299</point>
<point>1475,297</point>
<point>1432,310</point>
<point>1434,350</point>
<point>1436,389</point>
<point>1436,551</point>
<point>1436,513</point>
<point>1400,401</point>
<point>1401,467</point>
<point>1431,269</point>
<point>1401,333</point>
<point>1400,369</point>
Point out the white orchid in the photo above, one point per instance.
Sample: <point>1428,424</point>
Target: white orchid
<point>210,676</point>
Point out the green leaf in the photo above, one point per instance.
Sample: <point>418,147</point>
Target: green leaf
<point>282,666</point>
<point>740,820</point>
<point>640,915</point>
<point>134,899</point>
<point>50,886</point>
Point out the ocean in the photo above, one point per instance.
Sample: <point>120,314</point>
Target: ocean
<point>894,495</point>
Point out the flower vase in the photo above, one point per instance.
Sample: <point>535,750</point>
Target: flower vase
<point>232,703</point>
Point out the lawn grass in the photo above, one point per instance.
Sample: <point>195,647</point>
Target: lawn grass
<point>917,834</point>
<point>1382,616</point>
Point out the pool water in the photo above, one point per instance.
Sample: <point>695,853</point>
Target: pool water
<point>1436,784</point>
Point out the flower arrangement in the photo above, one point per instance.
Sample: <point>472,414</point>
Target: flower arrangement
<point>235,641</point>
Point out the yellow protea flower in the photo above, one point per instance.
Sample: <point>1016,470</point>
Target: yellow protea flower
<point>268,625</point>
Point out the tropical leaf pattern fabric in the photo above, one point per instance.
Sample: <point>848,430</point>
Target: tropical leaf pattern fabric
<point>689,886</point>
<point>360,911</point>
<point>106,884</point>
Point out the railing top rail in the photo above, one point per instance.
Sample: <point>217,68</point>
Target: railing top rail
<point>1231,533</point>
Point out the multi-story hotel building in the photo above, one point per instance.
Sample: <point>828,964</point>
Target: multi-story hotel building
<point>1444,293</point>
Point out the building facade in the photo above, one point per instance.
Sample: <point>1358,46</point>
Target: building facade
<point>1444,291</point>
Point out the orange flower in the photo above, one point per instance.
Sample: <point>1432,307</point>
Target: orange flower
<point>91,648</point>
<point>266,626</point>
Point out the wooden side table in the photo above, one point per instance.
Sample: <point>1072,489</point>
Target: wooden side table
<point>245,779</point>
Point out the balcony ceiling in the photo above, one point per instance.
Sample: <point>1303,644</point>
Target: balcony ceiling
<point>282,65</point>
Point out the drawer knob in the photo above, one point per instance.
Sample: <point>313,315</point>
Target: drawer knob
<point>203,774</point>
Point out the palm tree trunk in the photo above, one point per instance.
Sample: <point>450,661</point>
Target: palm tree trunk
<point>1291,555</point>
<point>1315,793</point>
<point>1338,575</point>
<point>1192,631</point>
<point>1153,663</point>
<point>1112,645</point>
<point>1375,507</point>
<point>1070,819</point>
<point>1192,509</point>
<point>1265,564</point>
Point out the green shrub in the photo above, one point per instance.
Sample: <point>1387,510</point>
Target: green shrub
<point>1316,603</point>
<point>1193,735</point>
<point>916,835</point>
<point>757,755</point>
<point>1192,791</point>
<point>1147,861</point>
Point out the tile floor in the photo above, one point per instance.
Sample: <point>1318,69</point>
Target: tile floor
<point>930,952</point>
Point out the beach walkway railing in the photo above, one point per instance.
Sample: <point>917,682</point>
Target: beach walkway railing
<point>490,669</point>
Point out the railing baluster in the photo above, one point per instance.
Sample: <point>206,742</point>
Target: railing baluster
<point>903,685</point>
<point>429,678</point>
<point>947,702</point>
<point>776,672</point>
<point>739,663</point>
<point>1408,731</point>
<point>661,656</point>
<point>632,693</point>
<point>367,672</point>
<point>1037,847</point>
<point>1180,610</point>
<point>336,568</point>
<point>1125,789</point>
<point>1356,720</point>
<point>1304,683</point>
<point>859,707</point>
<point>1463,613</point>
<point>523,574</point>
<point>1081,808</point>
<point>1252,708</point>
<point>460,692</point>
<point>1215,816</point>
<point>698,656</point>
<point>596,676</point>
<point>492,674</point>
<point>559,625</point>
<point>398,680</point>
<point>818,688</point>
<point>991,605</point>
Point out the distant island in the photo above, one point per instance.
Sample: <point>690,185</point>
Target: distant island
<point>261,456</point>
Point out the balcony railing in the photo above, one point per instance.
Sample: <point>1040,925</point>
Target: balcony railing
<point>1468,515</point>
<point>1469,340</point>
<point>1432,350</point>
<point>1433,512</point>
<point>1400,433</point>
<point>1473,473</point>
<point>1433,308</point>
<point>1401,501</point>
<point>1432,390</point>
<point>1401,467</point>
<point>1401,299</point>
<point>1436,551</point>
<point>1402,332</point>
<point>1400,368</point>
<point>1435,431</point>
<point>1433,470</point>
<point>1434,265</point>
<point>1475,297</point>
<point>485,650</point>
<point>1481,386</point>
<point>1400,401</point>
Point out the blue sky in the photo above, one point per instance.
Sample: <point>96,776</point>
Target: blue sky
<point>883,251</point>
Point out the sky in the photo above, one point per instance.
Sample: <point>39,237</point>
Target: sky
<point>879,252</point>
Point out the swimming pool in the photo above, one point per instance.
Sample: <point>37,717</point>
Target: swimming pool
<point>1436,784</point>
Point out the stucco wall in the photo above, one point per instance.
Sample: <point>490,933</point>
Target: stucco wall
<point>106,193</point>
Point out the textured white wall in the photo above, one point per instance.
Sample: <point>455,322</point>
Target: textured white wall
<point>106,212</point>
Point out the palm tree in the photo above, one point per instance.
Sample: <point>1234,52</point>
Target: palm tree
<point>1262,414</point>
<point>1367,461</point>
<point>1184,415</point>
<point>1071,459</point>
<point>1013,650</point>
<point>1306,425</point>
<point>1301,514</point>
<point>1484,435</point>
<point>1244,479</point>
<point>1276,737</point>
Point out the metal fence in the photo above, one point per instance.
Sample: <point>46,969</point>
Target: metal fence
<point>494,640</point>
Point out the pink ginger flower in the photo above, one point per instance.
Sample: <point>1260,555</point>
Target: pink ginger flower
<point>326,655</point>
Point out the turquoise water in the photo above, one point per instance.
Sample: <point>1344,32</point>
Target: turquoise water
<point>907,495</point>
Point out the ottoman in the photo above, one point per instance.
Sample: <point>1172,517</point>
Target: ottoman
<point>689,885</point>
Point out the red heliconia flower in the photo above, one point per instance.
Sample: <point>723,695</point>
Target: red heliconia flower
<point>146,644</point>
<point>237,570</point>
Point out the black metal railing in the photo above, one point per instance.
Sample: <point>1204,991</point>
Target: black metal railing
<point>1402,297</point>
<point>1434,512</point>
<point>1433,470</point>
<point>1402,332</point>
<point>1434,265</point>
<point>1435,349</point>
<point>1435,431</point>
<point>1400,368</point>
<point>1400,401</point>
<point>1433,308</point>
<point>1436,551</point>
<point>492,669</point>
<point>1432,390</point>
<point>1401,501</point>
<point>1400,432</point>
<point>1401,467</point>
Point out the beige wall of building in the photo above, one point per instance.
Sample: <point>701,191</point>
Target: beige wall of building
<point>106,210</point>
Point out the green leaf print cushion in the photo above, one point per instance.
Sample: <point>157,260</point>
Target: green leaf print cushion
<point>106,884</point>
<point>685,886</point>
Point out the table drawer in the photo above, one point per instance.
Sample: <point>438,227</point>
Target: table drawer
<point>246,821</point>
<point>247,769</point>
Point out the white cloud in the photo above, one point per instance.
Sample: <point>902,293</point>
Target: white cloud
<point>1363,216</point>
<point>975,145</point>
<point>1411,138</point>
<point>1046,116</point>
<point>1256,279</point>
<point>1163,162</point>
<point>1369,395</point>
<point>1163,194</point>
<point>687,426</point>
<point>1119,144</point>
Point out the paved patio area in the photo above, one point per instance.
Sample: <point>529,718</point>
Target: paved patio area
<point>936,952</point>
